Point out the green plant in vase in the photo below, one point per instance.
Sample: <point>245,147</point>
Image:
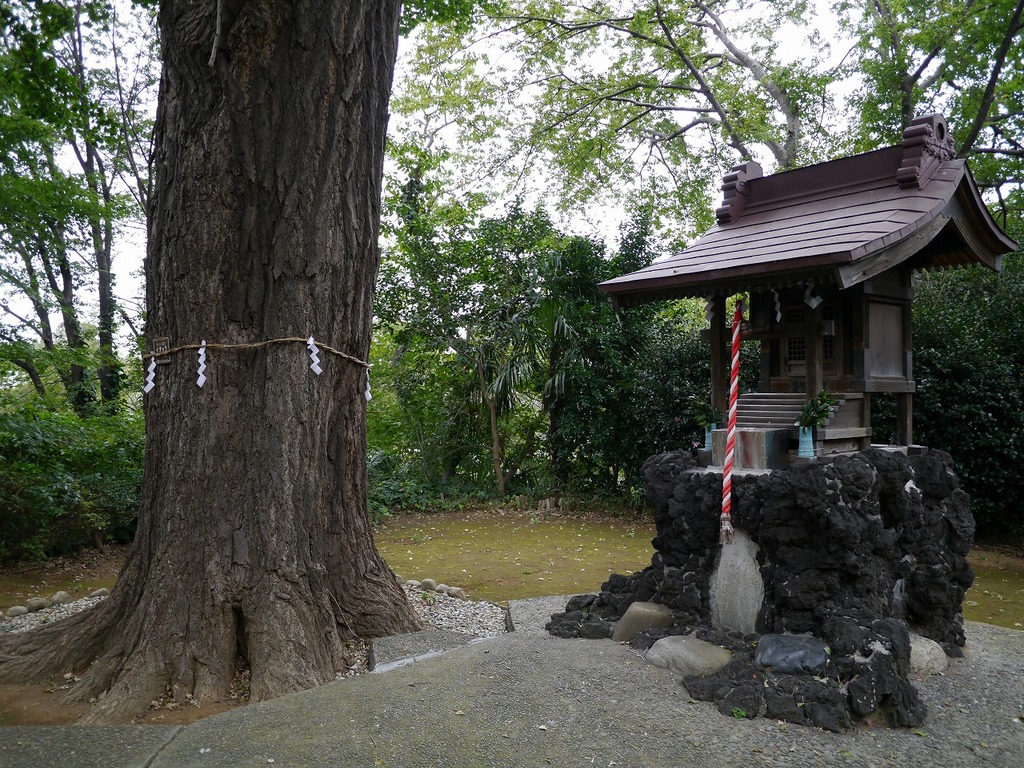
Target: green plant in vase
<point>813,416</point>
<point>706,415</point>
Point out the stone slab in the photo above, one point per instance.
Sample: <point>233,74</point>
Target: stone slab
<point>389,652</point>
<point>737,589</point>
<point>758,448</point>
<point>791,654</point>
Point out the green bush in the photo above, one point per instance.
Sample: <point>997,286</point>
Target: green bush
<point>396,486</point>
<point>65,481</point>
<point>970,404</point>
<point>968,357</point>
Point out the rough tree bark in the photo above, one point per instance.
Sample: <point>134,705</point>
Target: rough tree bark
<point>254,542</point>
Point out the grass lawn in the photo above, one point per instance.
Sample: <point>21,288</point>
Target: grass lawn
<point>506,555</point>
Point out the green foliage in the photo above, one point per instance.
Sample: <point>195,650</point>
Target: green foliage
<point>457,13</point>
<point>703,412</point>
<point>817,410</point>
<point>958,57</point>
<point>593,102</point>
<point>75,137</point>
<point>64,481</point>
<point>632,399</point>
<point>495,346</point>
<point>459,307</point>
<point>968,354</point>
<point>602,101</point>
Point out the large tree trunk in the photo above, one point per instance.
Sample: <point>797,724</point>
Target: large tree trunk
<point>254,542</point>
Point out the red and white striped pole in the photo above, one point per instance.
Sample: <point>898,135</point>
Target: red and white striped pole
<point>725,534</point>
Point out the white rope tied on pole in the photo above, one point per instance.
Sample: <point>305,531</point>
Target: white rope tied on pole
<point>726,529</point>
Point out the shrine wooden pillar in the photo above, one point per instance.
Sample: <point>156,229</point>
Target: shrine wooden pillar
<point>814,360</point>
<point>905,419</point>
<point>719,357</point>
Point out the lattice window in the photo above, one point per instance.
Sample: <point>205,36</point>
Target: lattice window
<point>795,314</point>
<point>796,349</point>
<point>828,348</point>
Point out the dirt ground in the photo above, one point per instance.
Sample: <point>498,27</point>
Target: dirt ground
<point>78,575</point>
<point>41,705</point>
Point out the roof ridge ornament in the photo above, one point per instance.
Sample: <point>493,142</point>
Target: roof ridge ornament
<point>926,144</point>
<point>734,185</point>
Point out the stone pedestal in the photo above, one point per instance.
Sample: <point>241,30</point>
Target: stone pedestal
<point>755,448</point>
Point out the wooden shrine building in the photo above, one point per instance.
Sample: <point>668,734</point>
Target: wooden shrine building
<point>826,254</point>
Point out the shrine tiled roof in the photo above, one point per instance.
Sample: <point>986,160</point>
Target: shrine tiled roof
<point>841,221</point>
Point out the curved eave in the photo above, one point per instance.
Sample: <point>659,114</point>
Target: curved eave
<point>990,242</point>
<point>817,270</point>
<point>951,226</point>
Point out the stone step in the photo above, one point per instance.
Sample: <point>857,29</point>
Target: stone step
<point>770,397</point>
<point>766,423</point>
<point>762,407</point>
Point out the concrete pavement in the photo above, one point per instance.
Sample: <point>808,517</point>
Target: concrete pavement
<point>527,699</point>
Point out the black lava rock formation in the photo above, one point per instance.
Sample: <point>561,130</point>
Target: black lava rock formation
<point>853,549</point>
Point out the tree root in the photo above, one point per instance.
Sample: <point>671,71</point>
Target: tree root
<point>126,655</point>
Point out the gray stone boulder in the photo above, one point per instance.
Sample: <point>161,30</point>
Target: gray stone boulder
<point>457,592</point>
<point>37,604</point>
<point>16,610</point>
<point>791,654</point>
<point>428,585</point>
<point>926,656</point>
<point>101,592</point>
<point>60,598</point>
<point>688,656</point>
<point>640,616</point>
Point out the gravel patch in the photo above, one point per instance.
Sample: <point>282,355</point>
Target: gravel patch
<point>29,621</point>
<point>435,609</point>
<point>440,611</point>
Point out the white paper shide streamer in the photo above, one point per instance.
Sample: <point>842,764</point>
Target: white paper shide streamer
<point>778,307</point>
<point>201,378</point>
<point>314,356</point>
<point>202,365</point>
<point>150,375</point>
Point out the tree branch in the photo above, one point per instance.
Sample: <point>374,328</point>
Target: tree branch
<point>785,153</point>
<point>990,88</point>
<point>734,137</point>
